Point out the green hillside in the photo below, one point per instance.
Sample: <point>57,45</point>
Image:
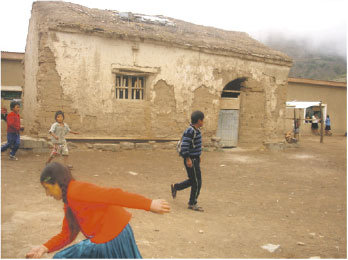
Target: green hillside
<point>312,63</point>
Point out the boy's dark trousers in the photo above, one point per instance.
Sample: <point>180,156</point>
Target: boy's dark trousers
<point>194,180</point>
<point>13,141</point>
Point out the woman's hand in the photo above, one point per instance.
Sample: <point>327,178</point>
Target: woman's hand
<point>37,252</point>
<point>159,206</point>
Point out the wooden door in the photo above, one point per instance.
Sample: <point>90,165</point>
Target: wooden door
<point>228,127</point>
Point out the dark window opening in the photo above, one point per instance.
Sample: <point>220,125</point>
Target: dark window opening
<point>9,95</point>
<point>312,111</point>
<point>233,88</point>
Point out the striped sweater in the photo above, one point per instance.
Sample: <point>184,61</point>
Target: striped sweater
<point>189,148</point>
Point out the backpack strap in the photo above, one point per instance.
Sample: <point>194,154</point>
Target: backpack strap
<point>194,136</point>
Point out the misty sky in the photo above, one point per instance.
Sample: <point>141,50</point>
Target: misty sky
<point>319,22</point>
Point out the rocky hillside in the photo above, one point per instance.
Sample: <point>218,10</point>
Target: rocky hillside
<point>311,62</point>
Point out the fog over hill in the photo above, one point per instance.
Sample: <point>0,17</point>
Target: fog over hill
<point>322,57</point>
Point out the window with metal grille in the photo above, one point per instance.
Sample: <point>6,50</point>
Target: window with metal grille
<point>130,87</point>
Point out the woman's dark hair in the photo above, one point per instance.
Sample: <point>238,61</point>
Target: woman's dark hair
<point>13,104</point>
<point>59,112</point>
<point>195,116</point>
<point>58,173</point>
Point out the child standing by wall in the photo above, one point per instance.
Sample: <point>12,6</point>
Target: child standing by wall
<point>315,127</point>
<point>13,128</point>
<point>97,212</point>
<point>328,125</point>
<point>297,129</point>
<point>58,131</point>
<point>191,149</point>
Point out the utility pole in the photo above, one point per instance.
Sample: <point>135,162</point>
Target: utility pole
<point>321,123</point>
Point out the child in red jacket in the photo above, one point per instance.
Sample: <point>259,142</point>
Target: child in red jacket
<point>13,128</point>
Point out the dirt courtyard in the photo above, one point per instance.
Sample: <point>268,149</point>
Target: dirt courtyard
<point>295,199</point>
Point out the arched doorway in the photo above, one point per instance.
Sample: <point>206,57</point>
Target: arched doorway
<point>228,124</point>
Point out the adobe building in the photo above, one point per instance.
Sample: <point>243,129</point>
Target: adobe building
<point>124,75</point>
<point>333,96</point>
<point>12,76</point>
<point>12,81</point>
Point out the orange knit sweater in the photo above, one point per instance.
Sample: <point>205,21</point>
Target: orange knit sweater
<point>99,212</point>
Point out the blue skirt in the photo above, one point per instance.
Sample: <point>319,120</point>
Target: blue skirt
<point>122,246</point>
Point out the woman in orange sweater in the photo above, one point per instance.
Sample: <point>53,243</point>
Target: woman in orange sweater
<point>95,211</point>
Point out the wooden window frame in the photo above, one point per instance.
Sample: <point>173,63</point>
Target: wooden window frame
<point>233,92</point>
<point>130,86</point>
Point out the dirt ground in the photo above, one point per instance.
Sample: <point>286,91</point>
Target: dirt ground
<point>295,199</point>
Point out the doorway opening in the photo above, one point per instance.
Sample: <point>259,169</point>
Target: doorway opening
<point>228,124</point>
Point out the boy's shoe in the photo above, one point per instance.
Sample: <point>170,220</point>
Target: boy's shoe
<point>195,208</point>
<point>173,191</point>
<point>13,158</point>
<point>70,167</point>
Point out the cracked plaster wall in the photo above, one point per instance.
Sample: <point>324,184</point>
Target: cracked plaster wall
<point>31,65</point>
<point>75,74</point>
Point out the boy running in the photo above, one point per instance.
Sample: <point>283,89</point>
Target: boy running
<point>13,127</point>
<point>191,149</point>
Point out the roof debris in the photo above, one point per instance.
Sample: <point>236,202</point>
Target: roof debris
<point>64,16</point>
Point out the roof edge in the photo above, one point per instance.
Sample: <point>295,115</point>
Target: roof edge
<point>318,82</point>
<point>7,55</point>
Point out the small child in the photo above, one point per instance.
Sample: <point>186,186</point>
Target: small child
<point>191,149</point>
<point>289,138</point>
<point>297,129</point>
<point>98,212</point>
<point>315,121</point>
<point>328,125</point>
<point>4,114</point>
<point>13,128</point>
<point>58,131</point>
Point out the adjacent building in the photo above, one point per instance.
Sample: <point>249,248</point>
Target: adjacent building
<point>333,96</point>
<point>12,81</point>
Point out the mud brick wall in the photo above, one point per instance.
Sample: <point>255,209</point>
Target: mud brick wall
<point>75,72</point>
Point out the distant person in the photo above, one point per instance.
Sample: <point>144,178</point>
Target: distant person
<point>315,121</point>
<point>297,129</point>
<point>97,212</point>
<point>328,125</point>
<point>4,114</point>
<point>191,149</point>
<point>308,119</point>
<point>289,138</point>
<point>58,131</point>
<point>13,128</point>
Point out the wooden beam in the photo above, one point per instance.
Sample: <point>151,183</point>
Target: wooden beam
<point>321,124</point>
<point>122,139</point>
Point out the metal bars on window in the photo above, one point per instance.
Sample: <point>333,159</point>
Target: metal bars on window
<point>130,87</point>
